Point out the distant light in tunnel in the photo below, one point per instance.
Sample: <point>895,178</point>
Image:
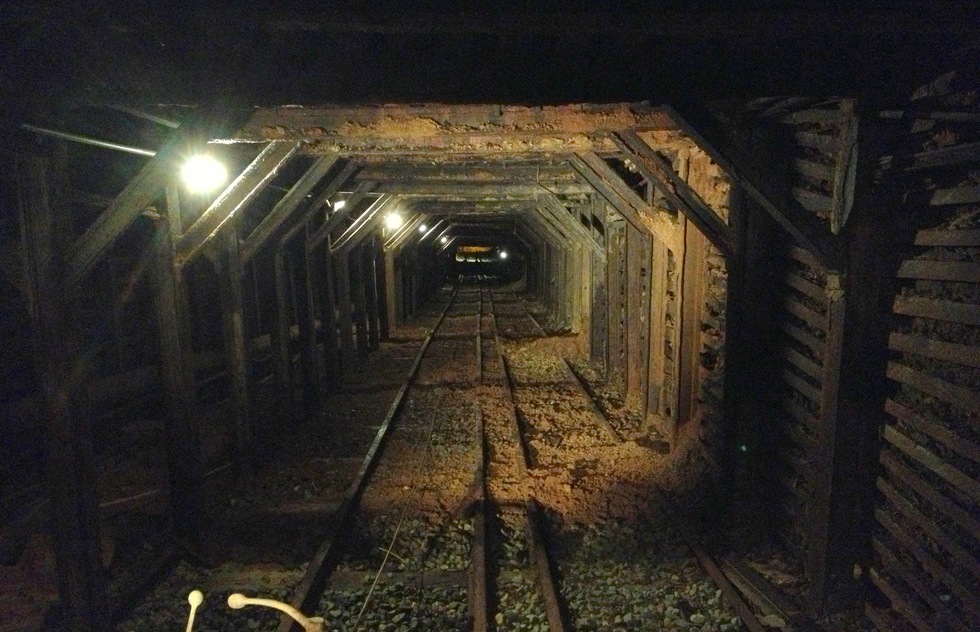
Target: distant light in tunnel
<point>203,173</point>
<point>423,228</point>
<point>503,254</point>
<point>339,204</point>
<point>443,240</point>
<point>393,221</point>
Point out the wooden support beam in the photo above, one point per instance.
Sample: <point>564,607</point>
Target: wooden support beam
<point>281,348</point>
<point>407,230</point>
<point>68,435</point>
<point>337,218</point>
<point>802,225</point>
<point>638,309</point>
<point>284,209</point>
<point>341,267</point>
<point>361,227</point>
<point>549,203</point>
<point>183,424</point>
<point>541,172</point>
<point>238,194</point>
<point>328,320</point>
<point>477,130</point>
<point>616,287</point>
<point>306,301</point>
<point>627,202</point>
<point>143,190</point>
<point>658,170</point>
<point>820,511</point>
<point>390,295</point>
<point>311,208</point>
<point>371,289</point>
<point>356,261</point>
<point>466,190</point>
<point>236,340</point>
<point>687,370</point>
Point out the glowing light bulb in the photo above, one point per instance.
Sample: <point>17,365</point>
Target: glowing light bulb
<point>339,204</point>
<point>443,240</point>
<point>203,174</point>
<point>393,221</point>
<point>503,254</point>
<point>423,228</point>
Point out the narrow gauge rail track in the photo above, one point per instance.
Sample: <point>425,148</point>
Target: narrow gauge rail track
<point>441,528</point>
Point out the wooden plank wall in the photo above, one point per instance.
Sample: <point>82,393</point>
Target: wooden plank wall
<point>926,545</point>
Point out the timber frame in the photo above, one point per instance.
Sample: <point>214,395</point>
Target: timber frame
<point>626,243</point>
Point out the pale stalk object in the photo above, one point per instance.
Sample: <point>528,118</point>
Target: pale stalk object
<point>310,624</point>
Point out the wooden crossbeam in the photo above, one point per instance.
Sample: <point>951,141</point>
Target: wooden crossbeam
<point>657,170</point>
<point>318,201</point>
<point>802,225</point>
<point>467,190</point>
<point>478,173</point>
<point>285,207</point>
<point>550,204</point>
<point>629,204</point>
<point>238,194</point>
<point>340,216</point>
<point>361,226</point>
<point>438,129</point>
<point>145,188</point>
<point>408,229</point>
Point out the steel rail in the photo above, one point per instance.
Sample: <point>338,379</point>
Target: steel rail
<point>597,412</point>
<point>306,595</point>
<point>708,563</point>
<point>558,619</point>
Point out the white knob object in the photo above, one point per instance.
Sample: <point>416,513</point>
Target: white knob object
<point>195,598</point>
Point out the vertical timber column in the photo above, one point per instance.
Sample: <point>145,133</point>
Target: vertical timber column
<point>390,295</point>
<point>328,323</point>
<point>639,341</point>
<point>281,346</point>
<point>341,264</point>
<point>658,334</point>
<point>692,299</point>
<point>360,300</point>
<point>600,313</point>
<point>616,300</point>
<point>372,290</point>
<point>819,551</point>
<point>183,418</point>
<point>233,307</point>
<point>306,317</point>
<point>68,435</point>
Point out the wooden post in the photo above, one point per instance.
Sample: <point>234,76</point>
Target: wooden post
<point>233,308</point>
<point>183,419</point>
<point>68,435</point>
<point>658,334</point>
<point>328,322</point>
<point>372,291</point>
<point>390,294</point>
<point>282,353</point>
<point>692,300</point>
<point>600,313</point>
<point>818,551</point>
<point>356,259</point>
<point>306,316</point>
<point>341,266</point>
<point>616,233</point>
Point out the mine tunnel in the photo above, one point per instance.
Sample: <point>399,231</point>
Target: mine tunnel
<point>569,364</point>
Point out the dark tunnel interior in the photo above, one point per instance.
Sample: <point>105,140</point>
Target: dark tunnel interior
<point>440,316</point>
